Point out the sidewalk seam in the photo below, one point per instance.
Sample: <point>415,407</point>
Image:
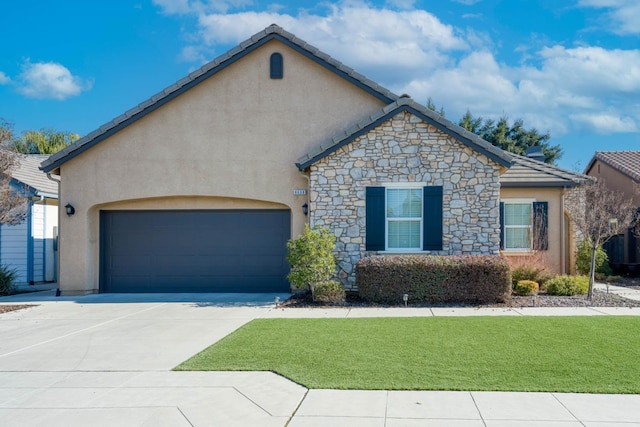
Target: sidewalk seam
<point>478,408</point>
<point>565,407</point>
<point>295,411</point>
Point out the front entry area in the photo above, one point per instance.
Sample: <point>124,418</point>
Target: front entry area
<point>194,250</point>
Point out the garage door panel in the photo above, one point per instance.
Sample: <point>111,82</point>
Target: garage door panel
<point>194,251</point>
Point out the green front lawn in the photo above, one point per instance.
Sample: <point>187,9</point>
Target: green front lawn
<point>564,354</point>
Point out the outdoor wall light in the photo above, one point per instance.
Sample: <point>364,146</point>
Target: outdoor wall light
<point>305,209</point>
<point>70,209</point>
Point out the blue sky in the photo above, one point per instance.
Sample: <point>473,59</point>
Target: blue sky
<point>569,67</point>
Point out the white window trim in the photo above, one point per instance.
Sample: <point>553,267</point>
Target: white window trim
<point>519,201</point>
<point>408,186</point>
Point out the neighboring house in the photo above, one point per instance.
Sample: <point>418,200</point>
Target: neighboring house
<point>620,171</point>
<point>534,198</point>
<point>29,246</point>
<point>200,187</point>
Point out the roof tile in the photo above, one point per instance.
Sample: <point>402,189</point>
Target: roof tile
<point>627,162</point>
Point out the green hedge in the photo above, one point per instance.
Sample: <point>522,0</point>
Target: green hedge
<point>434,279</point>
<point>568,285</point>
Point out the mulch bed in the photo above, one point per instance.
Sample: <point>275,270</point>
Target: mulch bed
<point>8,308</point>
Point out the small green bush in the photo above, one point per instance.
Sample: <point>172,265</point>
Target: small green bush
<point>530,272</point>
<point>526,287</point>
<point>7,280</point>
<point>434,279</point>
<point>583,259</point>
<point>524,272</point>
<point>311,258</point>
<point>568,285</point>
<point>330,291</point>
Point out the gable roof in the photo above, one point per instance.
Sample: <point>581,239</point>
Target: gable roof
<point>273,32</point>
<point>29,177</point>
<point>527,172</point>
<point>407,104</point>
<point>625,162</point>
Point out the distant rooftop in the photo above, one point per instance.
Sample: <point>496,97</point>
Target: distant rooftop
<point>627,162</point>
<point>28,172</point>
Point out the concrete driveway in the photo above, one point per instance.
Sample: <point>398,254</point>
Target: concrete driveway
<point>105,360</point>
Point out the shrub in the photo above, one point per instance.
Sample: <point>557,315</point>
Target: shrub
<point>526,287</point>
<point>583,259</point>
<point>330,291</point>
<point>524,272</point>
<point>311,258</point>
<point>568,285</point>
<point>434,279</point>
<point>7,280</point>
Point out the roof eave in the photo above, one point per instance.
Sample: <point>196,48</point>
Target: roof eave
<point>494,153</point>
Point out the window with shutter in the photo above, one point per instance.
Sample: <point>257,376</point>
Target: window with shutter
<point>404,218</point>
<point>523,225</point>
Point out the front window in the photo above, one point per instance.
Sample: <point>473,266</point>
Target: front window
<point>404,218</point>
<point>517,225</point>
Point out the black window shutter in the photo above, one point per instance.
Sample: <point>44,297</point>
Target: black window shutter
<point>375,211</point>
<point>540,226</point>
<point>276,66</point>
<point>501,225</point>
<point>432,218</point>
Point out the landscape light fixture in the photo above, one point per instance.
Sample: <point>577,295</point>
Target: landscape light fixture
<point>70,209</point>
<point>405,298</point>
<point>305,209</point>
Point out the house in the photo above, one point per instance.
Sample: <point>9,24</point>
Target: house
<point>29,247</point>
<point>542,192</point>
<point>620,171</point>
<point>198,188</point>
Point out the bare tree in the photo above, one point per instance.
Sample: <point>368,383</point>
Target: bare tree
<point>13,206</point>
<point>601,214</point>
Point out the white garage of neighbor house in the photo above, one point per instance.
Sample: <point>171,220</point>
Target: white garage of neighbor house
<point>29,247</point>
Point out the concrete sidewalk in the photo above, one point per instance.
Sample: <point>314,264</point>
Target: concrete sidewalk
<point>106,360</point>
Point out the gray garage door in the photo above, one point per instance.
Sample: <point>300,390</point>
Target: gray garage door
<point>194,251</point>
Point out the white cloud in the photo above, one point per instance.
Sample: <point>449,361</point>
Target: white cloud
<point>50,80</point>
<point>569,90</point>
<point>467,2</point>
<point>4,79</point>
<point>183,7</point>
<point>606,123</point>
<point>175,7</point>
<point>401,4</point>
<point>624,15</point>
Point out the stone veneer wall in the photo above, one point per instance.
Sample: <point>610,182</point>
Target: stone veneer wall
<point>406,149</point>
<point>574,201</point>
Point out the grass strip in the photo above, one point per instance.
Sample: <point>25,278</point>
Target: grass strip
<point>595,354</point>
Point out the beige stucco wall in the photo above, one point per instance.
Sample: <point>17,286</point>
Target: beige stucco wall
<point>229,142</point>
<point>615,180</point>
<point>622,183</point>
<point>555,256</point>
